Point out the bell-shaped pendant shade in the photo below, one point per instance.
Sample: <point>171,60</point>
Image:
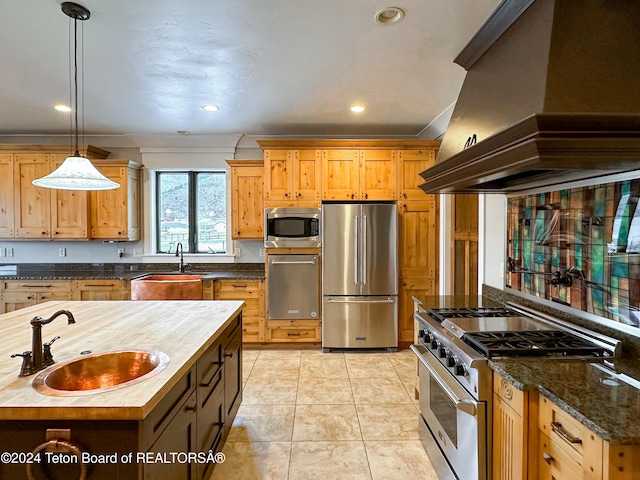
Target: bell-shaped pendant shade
<point>76,173</point>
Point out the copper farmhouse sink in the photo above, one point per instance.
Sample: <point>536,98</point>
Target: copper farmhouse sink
<point>167,287</point>
<point>100,372</point>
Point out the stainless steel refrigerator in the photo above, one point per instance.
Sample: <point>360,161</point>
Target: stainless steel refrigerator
<point>359,276</point>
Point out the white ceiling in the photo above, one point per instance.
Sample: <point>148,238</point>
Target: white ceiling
<point>275,67</point>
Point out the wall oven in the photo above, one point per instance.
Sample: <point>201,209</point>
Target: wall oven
<point>292,227</point>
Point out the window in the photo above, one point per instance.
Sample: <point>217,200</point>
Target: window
<point>191,208</point>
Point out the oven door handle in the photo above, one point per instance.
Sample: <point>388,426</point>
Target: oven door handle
<point>462,405</point>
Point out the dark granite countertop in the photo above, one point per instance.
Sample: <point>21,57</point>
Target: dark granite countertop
<point>454,301</point>
<point>130,271</point>
<point>605,401</point>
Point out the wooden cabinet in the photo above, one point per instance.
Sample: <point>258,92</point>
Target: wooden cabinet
<point>292,175</point>
<point>16,294</point>
<point>510,431</point>
<point>288,331</point>
<point>32,205</point>
<point>114,214</point>
<point>247,202</point>
<point>418,257</point>
<point>410,164</point>
<point>349,174</point>
<point>6,196</point>
<point>251,291</point>
<point>101,290</point>
<point>232,358</point>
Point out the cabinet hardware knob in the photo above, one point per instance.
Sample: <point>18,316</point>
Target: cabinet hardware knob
<point>293,334</point>
<point>557,428</point>
<point>228,355</point>
<point>547,458</point>
<point>190,408</point>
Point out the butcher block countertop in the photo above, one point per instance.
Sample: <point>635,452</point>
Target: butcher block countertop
<point>181,329</point>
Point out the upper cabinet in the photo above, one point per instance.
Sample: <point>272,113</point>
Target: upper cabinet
<point>292,175</point>
<point>364,170</point>
<point>115,214</point>
<point>6,196</point>
<point>247,203</point>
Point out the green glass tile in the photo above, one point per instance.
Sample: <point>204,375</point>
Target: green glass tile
<point>620,268</point>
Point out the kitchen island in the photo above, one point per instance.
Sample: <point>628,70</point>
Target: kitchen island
<point>187,407</point>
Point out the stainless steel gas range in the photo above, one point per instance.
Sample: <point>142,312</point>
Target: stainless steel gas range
<point>454,347</point>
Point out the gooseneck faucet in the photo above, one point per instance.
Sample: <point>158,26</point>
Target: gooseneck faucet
<point>36,338</point>
<point>180,253</point>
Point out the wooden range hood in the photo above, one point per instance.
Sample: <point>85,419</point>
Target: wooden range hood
<point>552,95</point>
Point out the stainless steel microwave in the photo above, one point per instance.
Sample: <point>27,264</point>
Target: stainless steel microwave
<point>291,227</point>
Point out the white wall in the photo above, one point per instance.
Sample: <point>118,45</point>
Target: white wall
<point>492,237</point>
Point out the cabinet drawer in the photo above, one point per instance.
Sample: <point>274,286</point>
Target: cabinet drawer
<point>554,463</point>
<point>513,397</point>
<point>576,440</point>
<point>37,285</point>
<point>232,289</point>
<point>252,329</point>
<point>294,331</point>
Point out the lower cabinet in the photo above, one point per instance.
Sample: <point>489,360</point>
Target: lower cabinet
<point>195,415</point>
<point>16,294</point>
<point>101,290</point>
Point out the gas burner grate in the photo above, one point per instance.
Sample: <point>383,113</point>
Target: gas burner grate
<point>532,343</point>
<point>440,314</point>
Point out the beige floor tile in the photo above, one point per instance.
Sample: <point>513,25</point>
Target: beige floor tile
<point>324,391</point>
<point>279,354</point>
<point>323,367</point>
<point>272,367</point>
<point>328,460</point>
<point>317,352</point>
<point>265,391</point>
<point>250,354</point>
<point>394,460</point>
<point>379,391</point>
<point>388,422</point>
<point>369,366</point>
<point>254,461</point>
<point>263,423</point>
<point>247,366</point>
<point>326,422</point>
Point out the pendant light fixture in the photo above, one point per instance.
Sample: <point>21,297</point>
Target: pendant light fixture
<point>76,172</point>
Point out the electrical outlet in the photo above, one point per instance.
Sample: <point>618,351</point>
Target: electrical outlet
<point>137,252</point>
<point>121,252</point>
<point>501,270</point>
<point>262,253</point>
<point>10,252</point>
<point>3,252</point>
<point>62,252</point>
<point>238,252</point>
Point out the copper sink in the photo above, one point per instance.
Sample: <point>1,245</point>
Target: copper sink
<point>100,372</point>
<point>163,286</point>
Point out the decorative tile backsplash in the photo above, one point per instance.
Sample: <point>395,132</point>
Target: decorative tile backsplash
<point>579,247</point>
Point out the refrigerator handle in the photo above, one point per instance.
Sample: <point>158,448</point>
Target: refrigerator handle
<point>363,258</point>
<point>355,250</point>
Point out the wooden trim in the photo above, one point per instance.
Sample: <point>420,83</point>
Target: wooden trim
<point>91,152</point>
<point>400,144</point>
<point>499,22</point>
<point>245,163</point>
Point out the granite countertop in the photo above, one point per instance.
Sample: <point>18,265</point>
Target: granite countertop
<point>454,301</point>
<point>182,329</point>
<point>131,271</point>
<point>605,401</point>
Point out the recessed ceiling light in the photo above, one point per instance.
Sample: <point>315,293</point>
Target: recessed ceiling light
<point>183,132</point>
<point>357,108</point>
<point>62,108</point>
<point>389,15</point>
<point>210,108</point>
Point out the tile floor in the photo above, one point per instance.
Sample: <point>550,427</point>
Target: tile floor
<point>308,415</point>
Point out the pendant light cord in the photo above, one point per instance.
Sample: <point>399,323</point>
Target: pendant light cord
<point>75,78</point>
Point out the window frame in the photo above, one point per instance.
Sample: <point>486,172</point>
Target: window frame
<point>190,248</point>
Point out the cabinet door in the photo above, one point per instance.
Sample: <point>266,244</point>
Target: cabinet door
<point>98,290</point>
<point>509,441</point>
<point>378,174</point>
<point>6,196</point>
<point>12,301</point>
<point>109,208</point>
<point>340,174</point>
<point>69,210</point>
<point>307,168</point>
<point>232,378</point>
<point>278,174</point>
<point>247,204</point>
<point>418,239</point>
<point>178,436</point>
<point>32,215</point>
<point>408,288</point>
<point>410,164</point>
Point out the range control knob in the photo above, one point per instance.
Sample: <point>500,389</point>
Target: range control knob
<point>460,370</point>
<point>422,333</point>
<point>442,352</point>
<point>451,361</point>
<point>434,343</point>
